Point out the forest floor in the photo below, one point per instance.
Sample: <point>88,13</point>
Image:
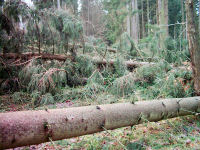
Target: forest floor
<point>177,133</point>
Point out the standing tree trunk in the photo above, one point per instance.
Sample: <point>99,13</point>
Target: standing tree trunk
<point>85,11</point>
<point>34,127</point>
<point>135,28</point>
<point>38,37</point>
<point>148,18</point>
<point>58,4</point>
<point>128,24</point>
<point>193,42</point>
<point>133,21</point>
<point>162,20</point>
<point>199,15</point>
<point>143,22</point>
<point>183,18</point>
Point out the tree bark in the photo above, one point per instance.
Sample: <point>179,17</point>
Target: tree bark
<point>34,127</point>
<point>193,42</point>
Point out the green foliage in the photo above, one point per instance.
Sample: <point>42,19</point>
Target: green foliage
<point>36,76</point>
<point>115,18</point>
<point>35,97</point>
<point>123,86</point>
<point>67,24</point>
<point>169,84</point>
<point>173,54</point>
<point>20,97</point>
<point>176,50</point>
<point>149,73</point>
<point>120,68</point>
<point>150,44</point>
<point>47,99</point>
<point>43,4</point>
<point>46,78</point>
<point>45,27</point>
<point>11,38</point>
<point>14,9</point>
<point>174,17</point>
<point>176,85</point>
<point>135,145</point>
<point>88,68</point>
<point>153,82</point>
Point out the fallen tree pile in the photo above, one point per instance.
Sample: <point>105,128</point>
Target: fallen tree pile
<point>47,56</point>
<point>34,127</point>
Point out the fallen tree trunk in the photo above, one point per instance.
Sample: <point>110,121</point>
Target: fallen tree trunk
<point>30,55</point>
<point>34,127</point>
<point>129,64</point>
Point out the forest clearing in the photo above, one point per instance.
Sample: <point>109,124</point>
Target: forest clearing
<point>99,74</point>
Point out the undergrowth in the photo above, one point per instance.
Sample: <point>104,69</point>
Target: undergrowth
<point>52,81</point>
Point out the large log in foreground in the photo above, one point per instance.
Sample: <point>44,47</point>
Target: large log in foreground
<point>34,127</point>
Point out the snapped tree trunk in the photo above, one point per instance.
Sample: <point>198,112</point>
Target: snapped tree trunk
<point>34,127</point>
<point>193,42</point>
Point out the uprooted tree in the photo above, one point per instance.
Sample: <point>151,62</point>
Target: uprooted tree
<point>34,127</point>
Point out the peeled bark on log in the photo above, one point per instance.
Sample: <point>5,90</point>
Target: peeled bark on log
<point>34,127</point>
